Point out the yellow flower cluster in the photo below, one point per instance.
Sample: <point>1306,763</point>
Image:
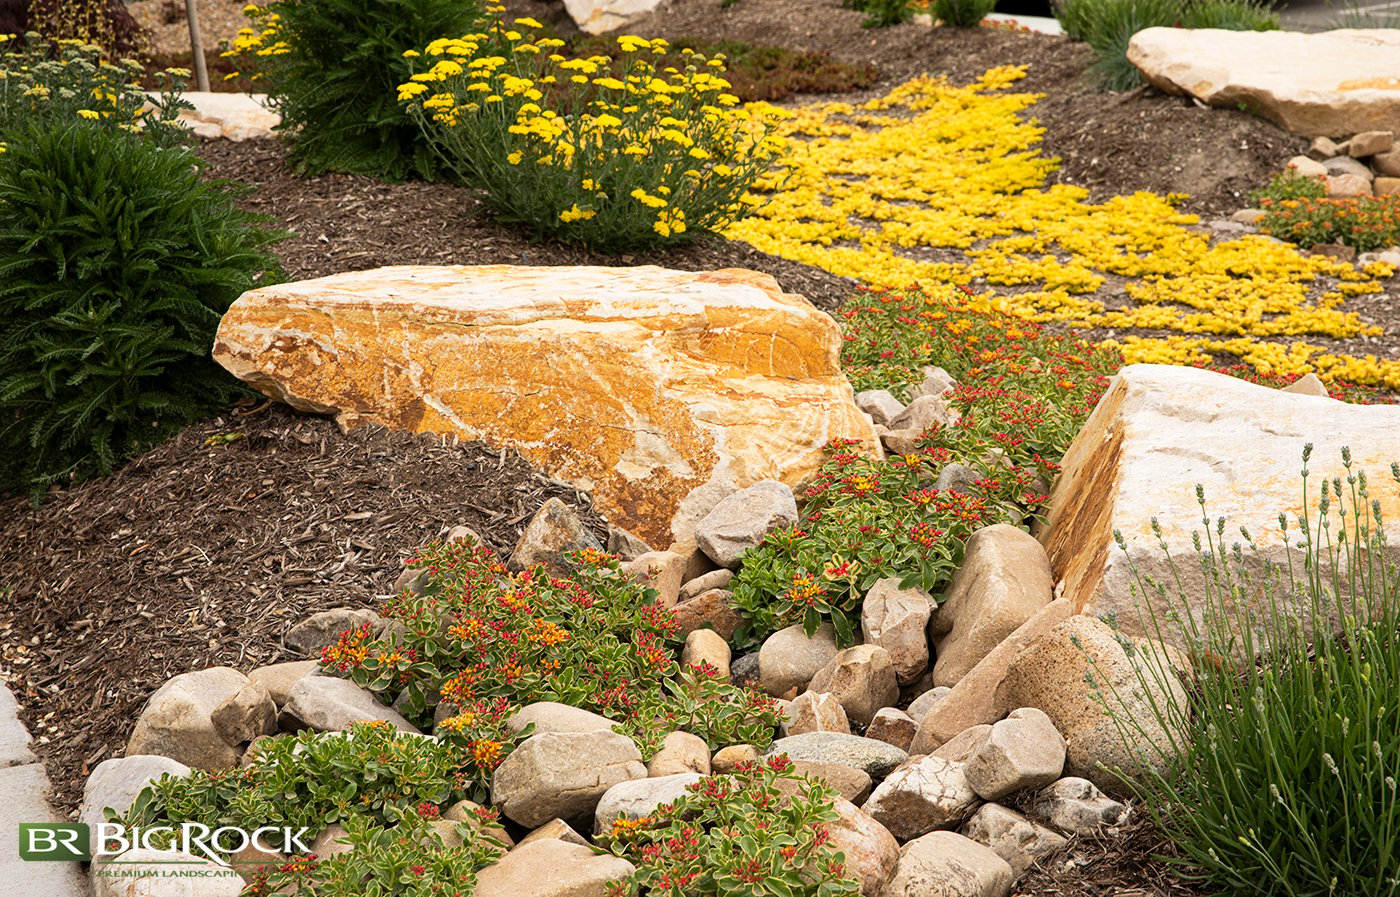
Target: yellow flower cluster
<point>940,184</point>
<point>595,145</point>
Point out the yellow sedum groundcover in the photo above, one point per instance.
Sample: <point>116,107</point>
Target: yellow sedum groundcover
<point>944,185</point>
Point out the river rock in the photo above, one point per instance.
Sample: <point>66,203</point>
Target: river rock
<point>550,867</point>
<point>1004,579</point>
<point>924,794</point>
<point>640,797</point>
<point>814,712</point>
<point>789,658</point>
<point>1011,836</point>
<point>875,758</point>
<point>115,783</point>
<point>563,774</point>
<point>945,864</point>
<point>862,679</point>
<point>176,722</point>
<point>895,619</point>
<point>742,520</point>
<point>328,704</point>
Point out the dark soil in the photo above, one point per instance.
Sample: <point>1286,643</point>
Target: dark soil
<point>196,555</point>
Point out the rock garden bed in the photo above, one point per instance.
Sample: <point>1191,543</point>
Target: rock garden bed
<point>746,593</point>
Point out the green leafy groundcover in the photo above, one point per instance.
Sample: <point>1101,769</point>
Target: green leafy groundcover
<point>1023,395</point>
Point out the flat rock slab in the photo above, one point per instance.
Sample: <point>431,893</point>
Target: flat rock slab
<point>659,391</point>
<point>1158,432</point>
<point>1331,84</point>
<point>231,116</point>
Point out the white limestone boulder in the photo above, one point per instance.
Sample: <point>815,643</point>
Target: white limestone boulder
<point>1160,430</point>
<point>1333,84</point>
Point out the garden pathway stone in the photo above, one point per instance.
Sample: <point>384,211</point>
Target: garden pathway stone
<point>26,788</point>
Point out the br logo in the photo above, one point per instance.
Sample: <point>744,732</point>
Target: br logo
<point>55,842</point>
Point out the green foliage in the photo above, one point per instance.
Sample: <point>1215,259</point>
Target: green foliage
<point>1289,184</point>
<point>331,66</point>
<point>881,13</point>
<point>1024,395</point>
<point>116,262</point>
<point>754,72</point>
<point>372,772</point>
<point>762,830</point>
<point>1363,223</point>
<point>48,84</point>
<point>1108,25</point>
<point>481,638</point>
<point>411,859</point>
<point>1280,776</point>
<point>578,151</point>
<point>962,13</point>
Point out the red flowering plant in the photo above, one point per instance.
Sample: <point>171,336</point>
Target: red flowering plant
<point>1022,395</point>
<point>483,641</point>
<point>762,830</point>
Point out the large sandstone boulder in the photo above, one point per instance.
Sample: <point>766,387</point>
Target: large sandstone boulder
<point>231,116</point>
<point>1332,84</point>
<point>1157,432</point>
<point>1003,580</point>
<point>659,391</point>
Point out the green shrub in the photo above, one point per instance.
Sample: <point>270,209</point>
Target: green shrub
<point>575,150</point>
<point>1281,777</point>
<point>1289,184</point>
<point>761,830</point>
<point>962,13</point>
<point>48,84</point>
<point>330,68</point>
<point>383,786</point>
<point>1023,396</point>
<point>116,262</point>
<point>881,13</point>
<point>1363,223</point>
<point>1107,26</point>
<point>484,640</point>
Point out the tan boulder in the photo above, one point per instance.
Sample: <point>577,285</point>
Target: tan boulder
<point>1011,836</point>
<point>563,774</point>
<point>925,794</point>
<point>1003,580</point>
<point>813,712</point>
<point>972,701</point>
<point>1332,84</point>
<point>946,864</point>
<point>708,610</point>
<point>659,391</point>
<point>851,783</point>
<point>601,16</point>
<point>789,658</point>
<point>659,570</point>
<point>706,647</point>
<point>862,679</point>
<point>680,752</point>
<point>892,726</point>
<point>548,867</point>
<point>872,853</point>
<point>895,619</point>
<point>1160,429</point>
<point>231,116</point>
<point>176,721</point>
<point>1076,672</point>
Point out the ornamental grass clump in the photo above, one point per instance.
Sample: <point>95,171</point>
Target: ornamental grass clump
<point>483,640</point>
<point>117,260</point>
<point>608,153</point>
<point>330,68</point>
<point>760,830</point>
<point>1023,395</point>
<point>1280,775</point>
